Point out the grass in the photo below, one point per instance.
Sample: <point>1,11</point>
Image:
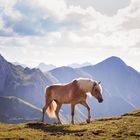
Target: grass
<point>123,127</point>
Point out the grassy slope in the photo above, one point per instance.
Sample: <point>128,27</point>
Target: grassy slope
<point>15,108</point>
<point>126,126</point>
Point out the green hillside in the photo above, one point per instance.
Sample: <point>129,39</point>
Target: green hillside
<point>13,109</point>
<point>123,127</point>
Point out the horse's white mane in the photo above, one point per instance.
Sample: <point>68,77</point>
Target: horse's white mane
<point>101,88</point>
<point>87,84</point>
<point>80,78</point>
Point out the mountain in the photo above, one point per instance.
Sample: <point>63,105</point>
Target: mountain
<point>13,110</point>
<point>25,83</point>
<point>19,64</point>
<point>45,67</point>
<point>77,65</point>
<point>48,67</point>
<point>120,85</point>
<point>66,74</point>
<point>125,127</point>
<point>117,78</point>
<point>5,70</point>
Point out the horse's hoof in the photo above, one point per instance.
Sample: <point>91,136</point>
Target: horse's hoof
<point>88,121</point>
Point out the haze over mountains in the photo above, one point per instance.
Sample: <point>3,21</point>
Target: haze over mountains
<point>19,64</point>
<point>120,87</point>
<point>47,67</point>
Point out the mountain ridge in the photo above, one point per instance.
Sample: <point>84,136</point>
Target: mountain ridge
<point>45,67</point>
<point>13,110</point>
<point>120,85</point>
<point>25,83</point>
<point>115,77</point>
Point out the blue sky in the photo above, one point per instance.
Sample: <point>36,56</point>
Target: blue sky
<point>61,32</point>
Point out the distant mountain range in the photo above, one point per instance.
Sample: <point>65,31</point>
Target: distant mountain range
<point>25,83</point>
<point>120,88</point>
<point>120,85</point>
<point>19,64</point>
<point>77,65</point>
<point>47,67</point>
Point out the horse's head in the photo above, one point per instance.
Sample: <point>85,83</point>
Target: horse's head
<point>97,91</point>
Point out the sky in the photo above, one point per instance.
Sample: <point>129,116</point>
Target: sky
<point>62,32</point>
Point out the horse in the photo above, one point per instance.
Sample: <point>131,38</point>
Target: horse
<point>72,93</point>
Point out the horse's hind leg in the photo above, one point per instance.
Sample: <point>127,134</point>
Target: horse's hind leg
<point>88,108</point>
<point>72,113</point>
<point>44,109</point>
<point>57,112</point>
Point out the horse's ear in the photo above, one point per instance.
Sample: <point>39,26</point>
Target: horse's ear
<point>99,82</point>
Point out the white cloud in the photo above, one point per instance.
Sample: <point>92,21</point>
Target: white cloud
<point>106,7</point>
<point>8,8</point>
<point>97,36</point>
<point>1,23</point>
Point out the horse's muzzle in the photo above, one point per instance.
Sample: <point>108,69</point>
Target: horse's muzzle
<point>100,100</point>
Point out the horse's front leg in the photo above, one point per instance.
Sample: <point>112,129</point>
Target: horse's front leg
<point>72,113</point>
<point>88,109</point>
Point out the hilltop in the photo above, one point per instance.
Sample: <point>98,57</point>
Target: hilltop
<point>126,126</point>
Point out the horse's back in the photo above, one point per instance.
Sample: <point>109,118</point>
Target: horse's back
<point>66,93</point>
<point>57,89</point>
<point>62,92</point>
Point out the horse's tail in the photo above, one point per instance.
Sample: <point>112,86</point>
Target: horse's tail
<point>51,109</point>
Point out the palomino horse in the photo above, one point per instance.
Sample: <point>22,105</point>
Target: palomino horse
<point>72,93</point>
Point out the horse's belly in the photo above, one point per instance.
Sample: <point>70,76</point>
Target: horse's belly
<point>65,100</point>
<point>68,98</point>
<point>70,101</point>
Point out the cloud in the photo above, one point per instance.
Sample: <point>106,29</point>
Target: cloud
<point>34,17</point>
<point>105,7</point>
<point>63,31</point>
<point>131,15</point>
<point>38,17</point>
